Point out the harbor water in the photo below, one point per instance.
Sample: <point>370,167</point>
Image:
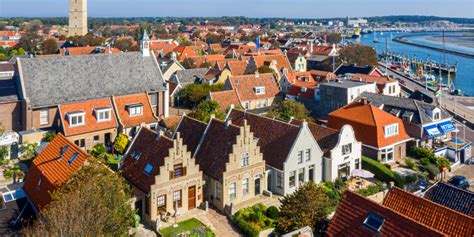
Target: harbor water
<point>460,42</point>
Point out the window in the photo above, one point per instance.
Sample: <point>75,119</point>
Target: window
<point>177,198</point>
<point>73,157</point>
<point>76,119</point>
<point>153,99</point>
<point>292,179</point>
<point>218,190</point>
<point>307,155</point>
<point>347,149</point>
<point>301,176</point>
<point>232,191</point>
<point>245,186</point>
<point>161,201</point>
<point>246,105</point>
<point>244,161</point>
<point>357,164</point>
<point>80,142</point>
<point>148,169</point>
<point>303,89</point>
<point>178,170</point>
<point>96,138</point>
<point>103,114</point>
<point>437,116</point>
<point>300,157</point>
<point>44,117</point>
<point>374,222</point>
<point>311,173</point>
<point>135,110</point>
<point>260,90</point>
<point>387,155</point>
<point>280,179</point>
<point>391,130</point>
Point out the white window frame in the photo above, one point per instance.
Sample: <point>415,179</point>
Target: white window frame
<point>391,130</point>
<point>178,198</point>
<point>259,90</point>
<point>100,114</point>
<point>245,186</point>
<point>154,97</point>
<point>279,179</point>
<point>301,175</point>
<point>347,149</point>
<point>44,116</point>
<point>244,160</point>
<point>307,155</point>
<point>135,110</point>
<point>385,153</point>
<point>292,175</point>
<point>232,191</point>
<point>300,156</point>
<point>77,115</point>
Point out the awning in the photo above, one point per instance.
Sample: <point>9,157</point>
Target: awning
<point>432,131</point>
<point>447,126</point>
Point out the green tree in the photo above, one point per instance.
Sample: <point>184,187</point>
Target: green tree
<point>213,39</point>
<point>204,110</point>
<point>124,44</point>
<point>288,109</point>
<point>359,54</point>
<point>30,42</point>
<point>95,202</point>
<point>49,46</point>
<point>307,206</point>
<point>99,151</point>
<point>193,94</point>
<point>120,143</point>
<point>48,136</point>
<point>333,38</point>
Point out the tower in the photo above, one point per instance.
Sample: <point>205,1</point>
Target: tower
<point>77,17</point>
<point>145,44</point>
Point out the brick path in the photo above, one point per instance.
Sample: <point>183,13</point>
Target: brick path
<point>219,224</point>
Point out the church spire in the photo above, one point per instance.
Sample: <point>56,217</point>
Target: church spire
<point>145,44</point>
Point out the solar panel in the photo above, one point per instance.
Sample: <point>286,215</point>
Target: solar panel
<point>374,222</point>
<point>73,157</point>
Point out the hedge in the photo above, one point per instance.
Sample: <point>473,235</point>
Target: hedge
<point>381,172</point>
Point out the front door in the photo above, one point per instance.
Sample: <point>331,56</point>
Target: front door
<point>269,182</point>
<point>191,197</point>
<point>398,156</point>
<point>257,186</point>
<point>139,208</point>
<point>107,138</point>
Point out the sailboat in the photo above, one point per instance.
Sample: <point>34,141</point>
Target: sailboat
<point>376,40</point>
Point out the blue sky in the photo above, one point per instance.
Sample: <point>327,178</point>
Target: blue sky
<point>250,8</point>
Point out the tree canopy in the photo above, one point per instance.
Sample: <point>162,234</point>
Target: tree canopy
<point>333,38</point>
<point>307,206</point>
<point>49,46</point>
<point>205,109</point>
<point>290,109</point>
<point>124,44</point>
<point>359,54</point>
<point>93,203</point>
<point>192,94</point>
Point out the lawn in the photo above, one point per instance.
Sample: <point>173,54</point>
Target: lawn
<point>113,162</point>
<point>184,226</point>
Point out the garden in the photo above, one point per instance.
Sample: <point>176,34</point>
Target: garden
<point>113,157</point>
<point>425,163</point>
<point>191,228</point>
<point>252,220</point>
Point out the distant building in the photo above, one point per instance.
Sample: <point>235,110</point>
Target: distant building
<point>77,17</point>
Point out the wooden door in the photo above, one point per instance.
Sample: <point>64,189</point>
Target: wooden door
<point>191,197</point>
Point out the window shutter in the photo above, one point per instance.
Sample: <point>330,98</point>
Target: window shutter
<point>171,174</point>
<point>184,171</point>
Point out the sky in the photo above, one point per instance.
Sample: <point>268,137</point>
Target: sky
<point>249,8</point>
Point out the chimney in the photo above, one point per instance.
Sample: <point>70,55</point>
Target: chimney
<point>213,116</point>
<point>311,45</point>
<point>178,135</point>
<point>364,101</point>
<point>228,122</point>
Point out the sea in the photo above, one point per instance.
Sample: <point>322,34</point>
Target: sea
<point>456,41</point>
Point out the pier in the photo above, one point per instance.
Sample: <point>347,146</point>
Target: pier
<point>399,39</point>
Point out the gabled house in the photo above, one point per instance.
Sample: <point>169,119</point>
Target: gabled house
<point>164,175</point>
<point>134,111</point>
<point>385,85</point>
<point>383,135</point>
<point>228,155</point>
<point>278,63</point>
<point>52,168</point>
<point>230,68</point>
<point>189,76</point>
<point>89,122</point>
<point>351,69</point>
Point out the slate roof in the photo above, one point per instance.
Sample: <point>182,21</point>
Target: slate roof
<point>275,138</point>
<point>452,197</point>
<point>429,213</point>
<point>191,131</point>
<point>369,128</point>
<point>216,147</point>
<point>343,84</point>
<point>91,123</point>
<point>418,108</point>
<point>353,69</point>
<point>353,209</point>
<point>317,58</point>
<point>47,172</point>
<point>327,138</point>
<point>8,91</point>
<point>189,76</point>
<point>150,148</point>
<point>53,81</point>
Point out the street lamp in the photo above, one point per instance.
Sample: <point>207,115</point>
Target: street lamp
<point>464,130</point>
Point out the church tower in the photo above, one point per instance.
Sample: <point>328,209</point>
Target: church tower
<point>77,17</point>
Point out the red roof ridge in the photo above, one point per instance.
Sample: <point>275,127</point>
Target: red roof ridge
<point>258,115</point>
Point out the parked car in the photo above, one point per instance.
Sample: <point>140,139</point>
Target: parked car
<point>459,181</point>
<point>402,82</point>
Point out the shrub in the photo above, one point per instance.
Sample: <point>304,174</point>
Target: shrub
<point>49,136</point>
<point>443,162</point>
<point>424,161</point>
<point>120,143</point>
<point>409,162</point>
<point>370,190</point>
<point>421,152</point>
<point>410,179</point>
<point>381,172</point>
<point>432,170</point>
<point>272,212</point>
<point>99,151</point>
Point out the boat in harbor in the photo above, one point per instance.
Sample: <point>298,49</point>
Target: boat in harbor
<point>376,40</point>
<point>356,33</point>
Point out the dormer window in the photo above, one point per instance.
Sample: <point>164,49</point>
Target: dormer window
<point>135,109</point>
<point>76,118</point>
<point>391,130</point>
<point>260,90</point>
<point>103,114</point>
<point>304,89</point>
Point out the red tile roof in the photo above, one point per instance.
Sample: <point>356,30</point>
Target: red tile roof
<point>245,86</point>
<point>184,52</point>
<point>302,91</point>
<point>354,209</point>
<point>429,213</point>
<point>225,99</point>
<point>369,129</point>
<point>321,76</point>
<point>281,60</point>
<point>91,123</point>
<point>237,67</point>
<point>47,172</point>
<point>78,50</point>
<point>122,103</point>
<point>149,150</point>
<point>380,81</point>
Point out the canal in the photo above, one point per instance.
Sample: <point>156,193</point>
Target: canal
<point>463,80</point>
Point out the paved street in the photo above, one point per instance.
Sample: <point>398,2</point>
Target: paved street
<point>468,171</point>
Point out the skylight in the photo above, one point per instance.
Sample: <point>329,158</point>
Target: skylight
<point>63,150</point>
<point>374,222</point>
<point>148,168</point>
<point>73,157</point>
<point>137,157</point>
